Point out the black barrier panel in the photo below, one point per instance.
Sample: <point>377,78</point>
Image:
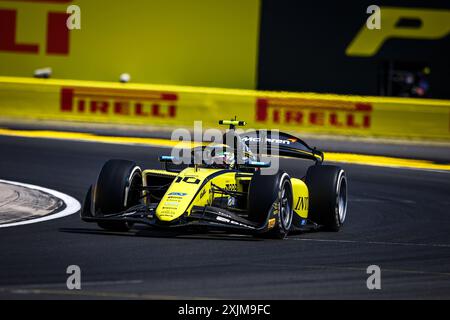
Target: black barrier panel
<point>303,48</point>
<point>222,309</point>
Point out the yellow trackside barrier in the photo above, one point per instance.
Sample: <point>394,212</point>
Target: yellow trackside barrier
<point>177,106</point>
<point>202,42</point>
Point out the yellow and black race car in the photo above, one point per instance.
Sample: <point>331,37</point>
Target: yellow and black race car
<point>226,190</point>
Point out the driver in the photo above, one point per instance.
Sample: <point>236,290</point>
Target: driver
<point>223,159</point>
<point>223,156</point>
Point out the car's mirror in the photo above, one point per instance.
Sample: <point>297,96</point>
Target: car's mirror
<point>257,164</point>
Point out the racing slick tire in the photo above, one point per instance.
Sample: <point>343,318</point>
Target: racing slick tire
<point>118,187</point>
<point>327,187</point>
<point>267,193</point>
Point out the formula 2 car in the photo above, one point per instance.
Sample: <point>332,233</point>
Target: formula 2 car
<point>226,195</point>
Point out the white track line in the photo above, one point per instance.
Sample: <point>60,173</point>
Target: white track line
<point>72,205</point>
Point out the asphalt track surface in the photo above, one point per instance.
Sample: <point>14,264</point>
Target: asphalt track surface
<point>398,219</point>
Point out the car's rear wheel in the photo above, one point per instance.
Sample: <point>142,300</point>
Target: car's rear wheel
<point>118,187</point>
<point>327,187</point>
<point>271,194</point>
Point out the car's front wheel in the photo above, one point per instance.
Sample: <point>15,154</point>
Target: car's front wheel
<point>118,187</point>
<point>271,195</point>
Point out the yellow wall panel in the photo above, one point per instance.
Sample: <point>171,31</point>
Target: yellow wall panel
<point>199,43</point>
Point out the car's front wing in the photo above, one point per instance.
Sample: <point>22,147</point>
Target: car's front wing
<point>207,216</point>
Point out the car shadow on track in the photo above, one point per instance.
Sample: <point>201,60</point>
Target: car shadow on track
<point>154,233</point>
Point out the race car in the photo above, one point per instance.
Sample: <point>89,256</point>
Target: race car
<point>227,190</point>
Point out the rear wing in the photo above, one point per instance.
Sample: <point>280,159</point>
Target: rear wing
<point>286,144</point>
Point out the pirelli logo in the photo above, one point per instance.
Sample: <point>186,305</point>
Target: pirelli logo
<point>123,102</point>
<point>57,40</point>
<point>308,112</point>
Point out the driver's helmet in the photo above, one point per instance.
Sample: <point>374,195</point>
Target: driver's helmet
<point>223,158</point>
<point>244,154</point>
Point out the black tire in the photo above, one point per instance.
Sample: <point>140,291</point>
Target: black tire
<point>264,192</point>
<point>327,187</point>
<point>117,188</point>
